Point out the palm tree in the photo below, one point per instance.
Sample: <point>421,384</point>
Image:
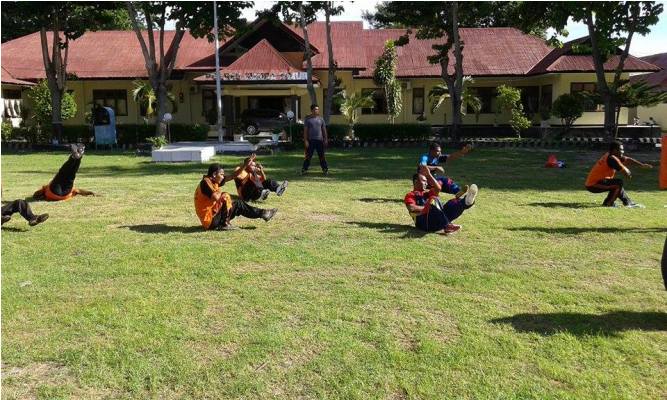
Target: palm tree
<point>350,106</point>
<point>440,92</point>
<point>144,95</point>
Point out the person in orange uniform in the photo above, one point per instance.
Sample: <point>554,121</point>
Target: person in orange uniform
<point>252,183</point>
<point>61,186</point>
<point>601,178</point>
<point>215,208</point>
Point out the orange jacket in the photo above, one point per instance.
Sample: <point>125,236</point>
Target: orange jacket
<point>50,196</point>
<point>207,207</point>
<point>601,170</point>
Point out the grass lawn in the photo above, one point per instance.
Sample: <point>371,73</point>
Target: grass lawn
<point>542,295</point>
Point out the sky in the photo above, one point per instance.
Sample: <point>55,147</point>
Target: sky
<point>653,43</point>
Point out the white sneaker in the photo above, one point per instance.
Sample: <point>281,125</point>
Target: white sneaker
<point>635,205</point>
<point>264,195</point>
<point>281,188</point>
<point>471,195</point>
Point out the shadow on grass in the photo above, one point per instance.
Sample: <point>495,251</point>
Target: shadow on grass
<point>406,230</point>
<point>586,324</point>
<point>558,204</point>
<point>163,228</point>
<point>577,231</point>
<point>13,229</point>
<point>380,200</point>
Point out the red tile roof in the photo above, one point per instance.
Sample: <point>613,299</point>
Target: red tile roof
<point>261,60</point>
<point>8,78</point>
<point>487,52</point>
<point>657,78</point>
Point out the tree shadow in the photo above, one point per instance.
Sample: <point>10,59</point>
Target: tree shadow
<point>163,228</point>
<point>557,204</point>
<point>380,200</point>
<point>579,324</point>
<point>408,231</point>
<point>577,231</point>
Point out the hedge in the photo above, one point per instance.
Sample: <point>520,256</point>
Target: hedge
<point>137,133</point>
<point>366,132</point>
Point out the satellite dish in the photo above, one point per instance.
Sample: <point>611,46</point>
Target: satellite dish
<point>290,114</point>
<point>167,117</point>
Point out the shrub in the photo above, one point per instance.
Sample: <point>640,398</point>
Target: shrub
<point>509,100</point>
<point>138,133</point>
<point>7,130</point>
<point>392,131</point>
<point>40,97</point>
<point>188,133</point>
<point>568,107</point>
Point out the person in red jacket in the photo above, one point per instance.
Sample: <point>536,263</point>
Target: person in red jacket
<point>61,186</point>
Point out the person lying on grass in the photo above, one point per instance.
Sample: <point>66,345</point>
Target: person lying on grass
<point>427,210</point>
<point>434,158</point>
<point>252,184</point>
<point>601,177</point>
<point>22,207</point>
<point>61,186</point>
<point>215,208</point>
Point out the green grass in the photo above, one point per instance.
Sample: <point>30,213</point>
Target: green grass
<point>542,295</point>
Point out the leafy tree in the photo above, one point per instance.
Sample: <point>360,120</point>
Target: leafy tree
<point>160,57</point>
<point>509,100</point>
<point>330,10</point>
<point>40,99</point>
<point>351,104</point>
<point>144,95</point>
<point>65,21</point>
<point>611,25</point>
<point>439,93</point>
<point>568,107</point>
<point>385,75</point>
<point>638,94</point>
<point>441,20</point>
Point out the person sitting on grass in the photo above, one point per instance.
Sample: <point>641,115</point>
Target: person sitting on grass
<point>215,208</point>
<point>252,184</point>
<point>22,207</point>
<point>601,177</point>
<point>61,186</point>
<point>434,158</point>
<point>426,209</point>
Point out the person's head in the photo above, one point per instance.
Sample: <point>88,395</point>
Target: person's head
<point>616,148</point>
<point>250,165</point>
<point>434,149</point>
<point>315,109</point>
<point>216,173</point>
<point>419,182</point>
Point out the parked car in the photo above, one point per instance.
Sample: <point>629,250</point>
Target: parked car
<point>262,120</point>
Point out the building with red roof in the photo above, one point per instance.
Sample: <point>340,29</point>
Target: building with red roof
<point>264,67</point>
<point>656,114</point>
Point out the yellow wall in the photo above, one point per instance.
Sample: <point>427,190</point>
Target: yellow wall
<point>190,109</point>
<point>659,114</point>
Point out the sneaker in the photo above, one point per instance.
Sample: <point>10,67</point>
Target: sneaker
<point>451,229</point>
<point>281,188</point>
<point>38,219</point>
<point>268,214</point>
<point>6,218</point>
<point>74,149</point>
<point>325,172</point>
<point>81,148</point>
<point>635,205</point>
<point>462,191</point>
<point>303,171</point>
<point>228,227</point>
<point>471,195</point>
<point>264,194</point>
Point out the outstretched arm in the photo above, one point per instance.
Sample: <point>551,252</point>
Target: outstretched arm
<point>84,192</point>
<point>465,150</point>
<point>638,163</point>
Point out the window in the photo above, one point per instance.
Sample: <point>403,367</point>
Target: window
<point>335,108</point>
<point>418,101</point>
<point>208,104</point>
<point>546,97</point>
<point>530,99</point>
<point>579,87</point>
<point>379,99</point>
<point>487,96</point>
<point>11,94</point>
<point>116,99</point>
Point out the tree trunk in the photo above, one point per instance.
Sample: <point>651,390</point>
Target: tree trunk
<point>309,62</point>
<point>331,84</point>
<point>609,117</point>
<point>161,95</point>
<point>457,81</point>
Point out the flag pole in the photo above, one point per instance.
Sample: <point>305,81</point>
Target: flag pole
<point>217,72</point>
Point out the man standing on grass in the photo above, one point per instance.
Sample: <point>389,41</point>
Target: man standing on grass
<point>427,210</point>
<point>252,183</point>
<point>315,139</point>
<point>215,208</point>
<point>434,158</point>
<point>601,178</point>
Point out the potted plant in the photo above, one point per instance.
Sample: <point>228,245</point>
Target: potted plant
<point>157,142</point>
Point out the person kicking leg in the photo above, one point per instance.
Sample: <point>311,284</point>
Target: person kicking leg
<point>61,186</point>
